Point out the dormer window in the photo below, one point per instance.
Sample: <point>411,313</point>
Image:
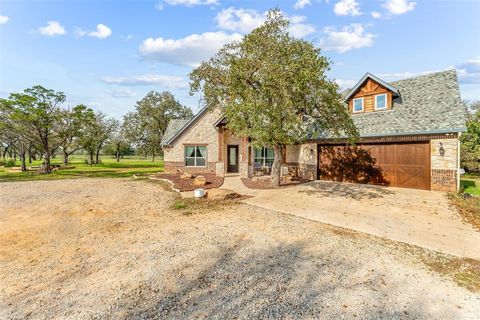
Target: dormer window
<point>358,105</point>
<point>381,101</point>
<point>371,94</point>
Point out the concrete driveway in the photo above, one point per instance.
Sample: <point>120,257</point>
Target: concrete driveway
<point>418,217</point>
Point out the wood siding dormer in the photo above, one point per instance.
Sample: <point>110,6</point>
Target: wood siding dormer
<point>368,91</point>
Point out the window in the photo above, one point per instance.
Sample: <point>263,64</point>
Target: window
<point>263,157</point>
<point>195,156</point>
<point>381,102</point>
<point>358,105</point>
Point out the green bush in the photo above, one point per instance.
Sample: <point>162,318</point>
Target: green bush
<point>7,163</point>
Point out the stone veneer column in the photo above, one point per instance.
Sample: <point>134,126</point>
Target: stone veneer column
<point>243,165</point>
<point>444,169</point>
<point>220,165</point>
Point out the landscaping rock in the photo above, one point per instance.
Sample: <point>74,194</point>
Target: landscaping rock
<point>200,181</point>
<point>186,175</point>
<point>222,194</point>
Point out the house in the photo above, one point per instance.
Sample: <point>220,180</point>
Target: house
<point>409,137</point>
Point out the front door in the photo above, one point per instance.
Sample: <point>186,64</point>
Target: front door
<point>232,158</point>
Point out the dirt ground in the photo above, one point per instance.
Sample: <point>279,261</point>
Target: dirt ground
<point>114,249</point>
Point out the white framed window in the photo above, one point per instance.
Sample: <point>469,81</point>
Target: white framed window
<point>381,101</point>
<point>358,105</point>
<point>195,156</point>
<point>263,157</point>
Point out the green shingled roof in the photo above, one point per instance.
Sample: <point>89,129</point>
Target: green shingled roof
<point>426,104</point>
<point>174,126</point>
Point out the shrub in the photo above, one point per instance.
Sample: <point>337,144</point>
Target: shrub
<point>7,163</point>
<point>179,205</point>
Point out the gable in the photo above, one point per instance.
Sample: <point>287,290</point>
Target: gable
<point>367,91</point>
<point>201,125</point>
<point>428,104</point>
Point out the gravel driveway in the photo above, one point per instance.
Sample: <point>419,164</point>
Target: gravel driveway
<point>113,249</point>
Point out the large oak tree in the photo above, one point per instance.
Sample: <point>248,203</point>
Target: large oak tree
<point>146,125</point>
<point>274,89</point>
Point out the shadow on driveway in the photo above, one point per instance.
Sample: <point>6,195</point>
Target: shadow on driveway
<point>285,281</point>
<point>346,190</point>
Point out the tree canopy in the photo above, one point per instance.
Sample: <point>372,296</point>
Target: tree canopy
<point>146,125</point>
<point>470,140</point>
<point>273,88</point>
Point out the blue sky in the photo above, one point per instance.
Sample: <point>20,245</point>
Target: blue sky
<point>109,54</point>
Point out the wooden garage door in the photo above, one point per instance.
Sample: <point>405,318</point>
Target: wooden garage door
<point>398,165</point>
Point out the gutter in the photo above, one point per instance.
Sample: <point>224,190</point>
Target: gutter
<point>378,135</point>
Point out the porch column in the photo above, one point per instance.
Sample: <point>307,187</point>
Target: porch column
<point>220,165</point>
<point>221,142</point>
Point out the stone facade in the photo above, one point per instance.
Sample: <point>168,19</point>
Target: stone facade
<point>201,133</point>
<point>444,164</point>
<point>179,167</point>
<point>300,160</point>
<point>305,156</point>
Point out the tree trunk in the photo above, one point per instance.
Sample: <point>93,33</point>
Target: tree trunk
<point>30,156</point>
<point>22,160</point>
<point>153,154</point>
<point>46,163</point>
<point>65,158</point>
<point>117,154</point>
<point>91,153</point>
<point>277,163</point>
<point>97,156</point>
<point>5,152</point>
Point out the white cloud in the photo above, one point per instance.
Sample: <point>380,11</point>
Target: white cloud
<point>300,4</point>
<point>403,75</point>
<point>245,20</point>
<point>346,83</point>
<point>298,29</point>
<point>399,6</point>
<point>159,6</point>
<point>102,32</point>
<point>79,32</point>
<point>348,38</point>
<point>347,8</point>
<point>53,28</point>
<point>170,82</point>
<point>4,19</point>
<point>127,37</point>
<point>376,15</point>
<point>469,71</point>
<point>188,51</point>
<point>191,3</point>
<point>242,20</point>
<point>123,93</point>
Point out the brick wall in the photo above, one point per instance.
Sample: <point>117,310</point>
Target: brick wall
<point>444,180</point>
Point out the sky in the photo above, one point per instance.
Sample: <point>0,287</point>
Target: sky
<point>110,54</point>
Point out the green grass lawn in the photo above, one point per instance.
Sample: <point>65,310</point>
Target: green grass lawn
<point>470,184</point>
<point>109,168</point>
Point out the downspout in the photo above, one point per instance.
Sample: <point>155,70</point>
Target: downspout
<point>458,161</point>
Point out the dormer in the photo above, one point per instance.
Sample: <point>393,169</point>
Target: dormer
<point>371,94</point>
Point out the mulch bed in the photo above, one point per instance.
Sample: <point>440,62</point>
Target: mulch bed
<point>187,184</point>
<point>265,183</point>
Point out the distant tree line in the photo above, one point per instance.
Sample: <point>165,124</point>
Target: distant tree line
<point>36,124</point>
<point>470,140</point>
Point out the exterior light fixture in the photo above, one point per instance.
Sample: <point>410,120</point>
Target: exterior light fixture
<point>441,150</point>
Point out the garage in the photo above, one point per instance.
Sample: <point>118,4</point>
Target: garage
<point>405,165</point>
